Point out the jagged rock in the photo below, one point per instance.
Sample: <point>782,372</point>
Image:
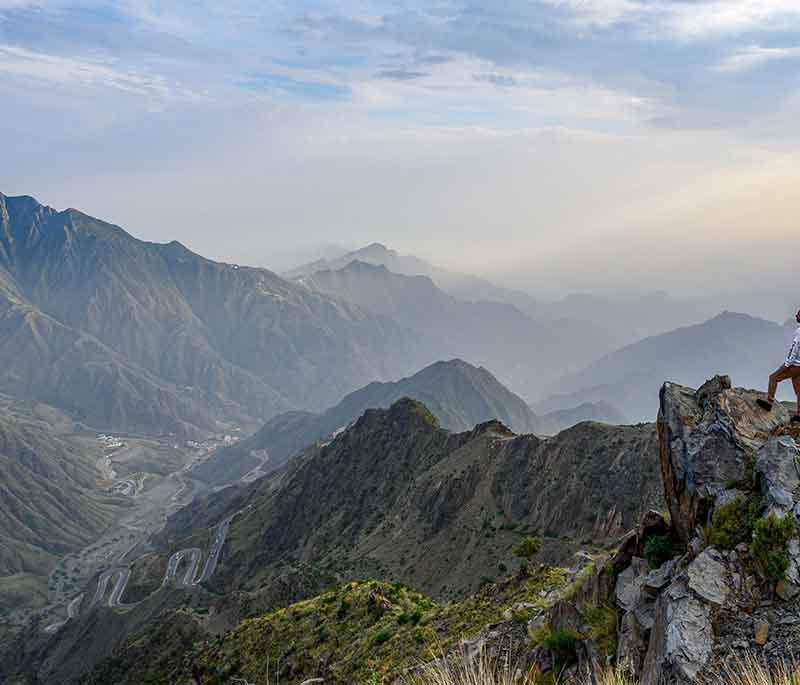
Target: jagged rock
<point>793,572</point>
<point>659,578</point>
<point>708,577</point>
<point>629,584</point>
<point>777,474</point>
<point>682,637</point>
<point>631,645</point>
<point>708,438</point>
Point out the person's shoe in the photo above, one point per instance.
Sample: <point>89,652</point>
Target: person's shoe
<point>796,418</point>
<point>764,404</point>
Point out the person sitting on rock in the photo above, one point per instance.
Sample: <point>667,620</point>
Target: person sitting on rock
<point>789,369</point>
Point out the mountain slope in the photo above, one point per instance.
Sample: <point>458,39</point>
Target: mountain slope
<point>526,355</point>
<point>156,338</point>
<point>397,496</point>
<point>458,394</point>
<point>749,348</point>
<point>49,505</point>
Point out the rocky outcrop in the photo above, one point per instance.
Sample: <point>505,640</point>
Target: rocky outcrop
<point>708,440</point>
<point>725,464</point>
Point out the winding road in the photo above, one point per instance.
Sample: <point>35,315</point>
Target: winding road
<point>72,611</point>
<point>191,578</point>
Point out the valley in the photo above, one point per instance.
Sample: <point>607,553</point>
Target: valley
<point>149,479</point>
<point>268,447</point>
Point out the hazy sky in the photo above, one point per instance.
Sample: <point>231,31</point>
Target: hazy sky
<point>554,144</point>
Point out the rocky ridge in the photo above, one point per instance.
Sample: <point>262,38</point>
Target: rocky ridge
<point>717,576</point>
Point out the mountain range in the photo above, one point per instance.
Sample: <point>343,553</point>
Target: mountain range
<point>747,347</point>
<point>137,336</point>
<point>458,394</point>
<point>394,496</point>
<point>462,286</point>
<point>525,354</point>
<point>612,320</point>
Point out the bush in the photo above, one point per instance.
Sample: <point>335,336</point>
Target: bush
<point>382,636</point>
<point>770,548</point>
<point>733,523</point>
<point>602,622</point>
<point>657,550</point>
<point>527,548</point>
<point>563,644</point>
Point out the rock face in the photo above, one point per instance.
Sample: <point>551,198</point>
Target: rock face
<point>708,438</point>
<point>718,450</point>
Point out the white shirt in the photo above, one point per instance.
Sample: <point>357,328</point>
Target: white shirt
<point>793,358</point>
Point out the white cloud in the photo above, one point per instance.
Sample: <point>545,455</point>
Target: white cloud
<point>82,72</point>
<point>753,56</point>
<point>687,19</point>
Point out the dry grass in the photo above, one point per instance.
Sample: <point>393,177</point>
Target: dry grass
<point>746,670</point>
<point>481,670</point>
<point>749,670</point>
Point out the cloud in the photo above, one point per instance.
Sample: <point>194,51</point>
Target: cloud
<point>401,74</point>
<point>79,72</point>
<point>684,19</point>
<point>754,56</point>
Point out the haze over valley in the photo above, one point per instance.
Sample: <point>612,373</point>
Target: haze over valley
<point>378,343</point>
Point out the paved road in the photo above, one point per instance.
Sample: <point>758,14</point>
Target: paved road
<point>189,578</point>
<point>115,601</point>
<point>216,549</point>
<point>122,575</point>
<point>72,611</point>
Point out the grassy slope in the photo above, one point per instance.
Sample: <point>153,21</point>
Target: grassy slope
<point>49,506</point>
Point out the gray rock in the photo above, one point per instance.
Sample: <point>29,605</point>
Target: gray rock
<point>706,439</point>
<point>629,584</point>
<point>708,577</point>
<point>726,497</point>
<point>682,639</point>
<point>659,578</point>
<point>631,645</point>
<point>793,572</point>
<point>777,475</point>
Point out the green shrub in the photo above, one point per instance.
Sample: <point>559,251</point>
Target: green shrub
<point>602,622</point>
<point>770,548</point>
<point>382,637</point>
<point>527,548</point>
<point>733,523</point>
<point>657,550</point>
<point>563,643</point>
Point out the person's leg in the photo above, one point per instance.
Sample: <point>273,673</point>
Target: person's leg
<point>776,377</point>
<point>796,386</point>
<point>794,373</point>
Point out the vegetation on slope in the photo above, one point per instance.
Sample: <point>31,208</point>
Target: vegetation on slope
<point>364,632</point>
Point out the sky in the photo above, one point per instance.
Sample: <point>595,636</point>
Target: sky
<point>553,145</point>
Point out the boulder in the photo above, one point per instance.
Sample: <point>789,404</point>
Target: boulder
<point>681,642</point>
<point>708,577</point>
<point>777,474</point>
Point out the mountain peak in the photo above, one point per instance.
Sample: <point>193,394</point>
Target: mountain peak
<point>375,251</point>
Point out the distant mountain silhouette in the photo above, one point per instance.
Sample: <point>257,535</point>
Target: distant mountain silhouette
<point>130,335</point>
<point>744,346</point>
<point>458,394</point>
